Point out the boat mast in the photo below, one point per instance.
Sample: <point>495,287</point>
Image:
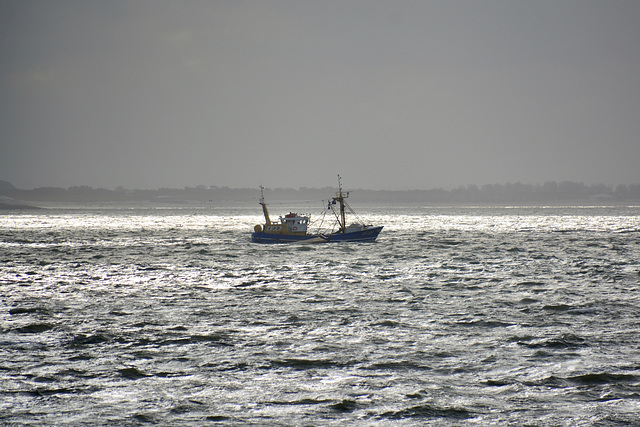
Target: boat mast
<point>265,211</point>
<point>340,199</point>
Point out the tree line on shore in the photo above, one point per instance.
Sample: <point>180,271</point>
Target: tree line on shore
<point>490,193</point>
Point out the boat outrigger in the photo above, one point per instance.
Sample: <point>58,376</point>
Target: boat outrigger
<point>294,228</point>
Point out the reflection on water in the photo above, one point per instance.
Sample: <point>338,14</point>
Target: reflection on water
<point>454,316</point>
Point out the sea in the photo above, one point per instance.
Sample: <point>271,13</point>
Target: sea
<point>455,316</point>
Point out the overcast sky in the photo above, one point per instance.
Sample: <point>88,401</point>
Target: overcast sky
<point>389,94</point>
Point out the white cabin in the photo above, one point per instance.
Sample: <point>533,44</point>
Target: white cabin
<point>295,223</point>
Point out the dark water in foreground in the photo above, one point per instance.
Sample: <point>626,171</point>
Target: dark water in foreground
<point>524,316</point>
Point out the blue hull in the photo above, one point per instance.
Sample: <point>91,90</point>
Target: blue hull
<point>368,235</point>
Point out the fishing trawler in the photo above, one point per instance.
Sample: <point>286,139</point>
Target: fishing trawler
<point>293,228</point>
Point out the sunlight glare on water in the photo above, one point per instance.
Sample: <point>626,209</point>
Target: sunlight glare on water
<point>456,315</point>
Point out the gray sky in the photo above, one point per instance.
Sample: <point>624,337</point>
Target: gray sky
<point>389,94</point>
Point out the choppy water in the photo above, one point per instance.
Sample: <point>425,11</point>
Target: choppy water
<point>522,316</point>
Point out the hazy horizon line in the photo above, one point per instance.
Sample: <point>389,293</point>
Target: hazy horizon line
<point>5,184</point>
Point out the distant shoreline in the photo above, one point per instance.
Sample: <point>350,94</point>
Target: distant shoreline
<point>550,193</point>
<point>285,205</point>
<point>16,207</point>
